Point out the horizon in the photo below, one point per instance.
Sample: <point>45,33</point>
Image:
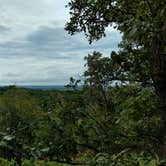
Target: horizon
<point>43,87</point>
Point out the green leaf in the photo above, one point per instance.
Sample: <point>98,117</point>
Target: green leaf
<point>8,137</point>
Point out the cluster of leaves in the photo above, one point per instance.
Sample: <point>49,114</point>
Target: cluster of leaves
<point>26,162</point>
<point>134,18</point>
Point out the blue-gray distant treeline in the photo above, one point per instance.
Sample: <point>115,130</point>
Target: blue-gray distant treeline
<point>45,87</point>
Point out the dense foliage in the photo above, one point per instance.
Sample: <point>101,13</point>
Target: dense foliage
<point>143,49</point>
<point>98,125</point>
<point>117,118</point>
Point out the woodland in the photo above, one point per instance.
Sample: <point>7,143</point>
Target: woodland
<point>118,117</point>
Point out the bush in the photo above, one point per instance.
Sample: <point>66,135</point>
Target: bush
<point>25,162</point>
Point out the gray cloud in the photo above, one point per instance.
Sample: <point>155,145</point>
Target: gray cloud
<point>52,42</point>
<point>37,50</point>
<point>4,29</point>
<point>9,75</point>
<point>57,40</point>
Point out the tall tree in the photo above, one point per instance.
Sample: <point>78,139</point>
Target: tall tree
<point>142,23</point>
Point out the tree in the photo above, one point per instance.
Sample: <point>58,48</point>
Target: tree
<point>100,74</point>
<point>99,71</point>
<point>73,83</point>
<point>142,23</point>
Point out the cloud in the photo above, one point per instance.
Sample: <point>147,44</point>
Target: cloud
<point>58,40</point>
<point>35,48</point>
<point>49,55</point>
<point>9,75</point>
<point>3,29</point>
<point>52,42</point>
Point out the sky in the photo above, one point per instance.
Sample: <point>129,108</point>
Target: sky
<point>36,50</point>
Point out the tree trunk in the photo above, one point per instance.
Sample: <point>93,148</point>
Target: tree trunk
<point>160,90</point>
<point>159,78</point>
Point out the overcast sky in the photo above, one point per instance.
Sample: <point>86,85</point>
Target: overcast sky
<point>35,49</point>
